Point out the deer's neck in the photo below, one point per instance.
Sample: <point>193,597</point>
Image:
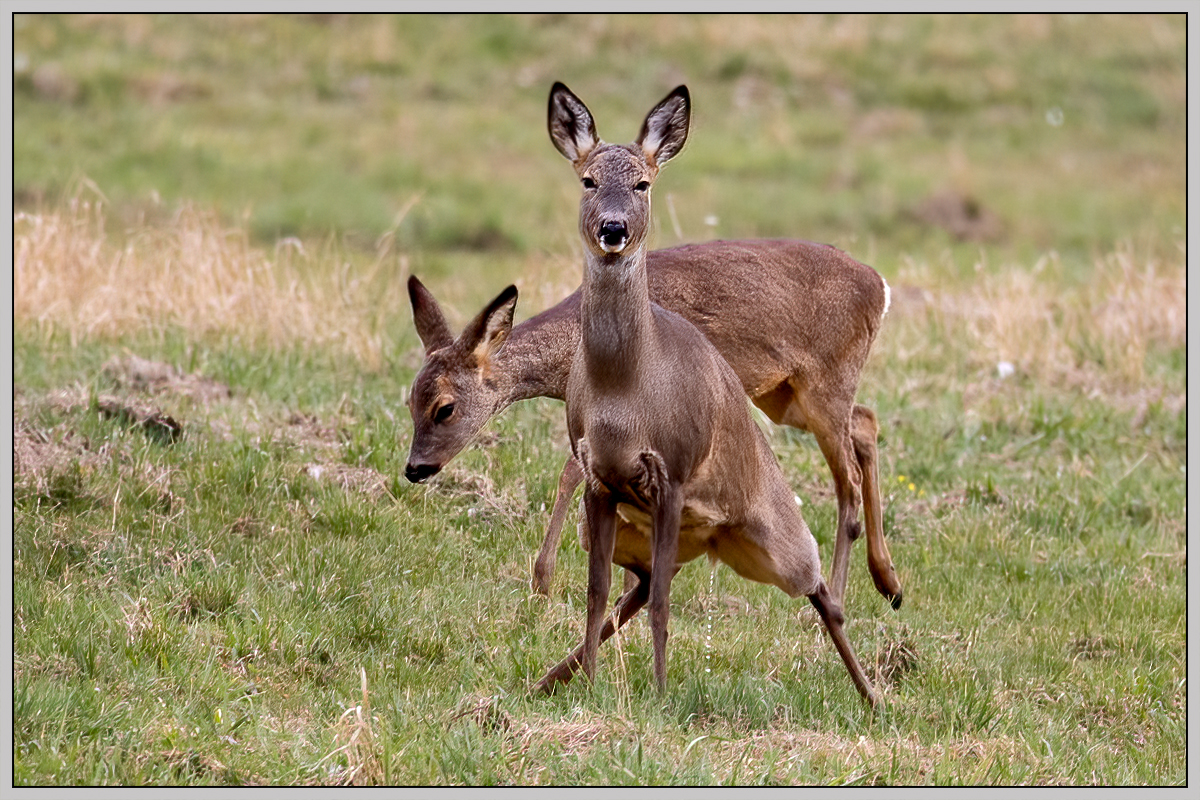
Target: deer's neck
<point>615,318</point>
<point>536,359</point>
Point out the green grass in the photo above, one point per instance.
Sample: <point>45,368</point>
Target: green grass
<point>200,612</point>
<point>265,600</point>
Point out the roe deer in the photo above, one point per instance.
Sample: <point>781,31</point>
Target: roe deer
<point>794,319</point>
<point>675,467</point>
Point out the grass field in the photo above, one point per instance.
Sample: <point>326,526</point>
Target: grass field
<point>220,575</point>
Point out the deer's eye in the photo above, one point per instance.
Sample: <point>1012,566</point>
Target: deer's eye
<point>642,186</point>
<point>588,183</point>
<point>443,413</point>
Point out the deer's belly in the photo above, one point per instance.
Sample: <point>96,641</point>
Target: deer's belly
<point>698,528</point>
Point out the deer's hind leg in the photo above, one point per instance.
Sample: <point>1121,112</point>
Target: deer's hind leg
<point>630,603</point>
<point>781,551</point>
<point>825,411</point>
<point>847,435</point>
<point>865,432</point>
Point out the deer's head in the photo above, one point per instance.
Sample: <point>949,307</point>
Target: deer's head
<point>456,391</point>
<point>614,214</point>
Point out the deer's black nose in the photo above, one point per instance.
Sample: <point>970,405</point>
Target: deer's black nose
<point>613,234</point>
<point>418,473</point>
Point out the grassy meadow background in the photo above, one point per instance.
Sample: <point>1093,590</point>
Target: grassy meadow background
<point>220,575</point>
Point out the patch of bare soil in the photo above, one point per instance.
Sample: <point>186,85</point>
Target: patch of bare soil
<point>50,460</point>
<point>962,216</point>
<point>44,458</point>
<point>307,431</point>
<point>136,374</point>
<point>324,440</point>
<point>149,419</point>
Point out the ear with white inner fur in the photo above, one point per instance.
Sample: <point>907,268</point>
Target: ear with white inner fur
<point>427,317</point>
<point>488,331</point>
<point>572,129</point>
<point>666,127</point>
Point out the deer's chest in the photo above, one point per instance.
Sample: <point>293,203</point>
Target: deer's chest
<point>625,448</point>
<point>616,459</point>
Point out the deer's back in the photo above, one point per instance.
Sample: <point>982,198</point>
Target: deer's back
<point>772,306</point>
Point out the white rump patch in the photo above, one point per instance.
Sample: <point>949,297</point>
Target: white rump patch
<point>887,297</point>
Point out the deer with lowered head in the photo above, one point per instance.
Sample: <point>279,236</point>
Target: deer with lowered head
<point>674,466</point>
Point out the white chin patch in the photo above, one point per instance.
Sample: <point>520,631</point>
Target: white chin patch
<point>613,248</point>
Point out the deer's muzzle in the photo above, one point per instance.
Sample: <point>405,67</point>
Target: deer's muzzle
<point>613,236</point>
<point>419,473</point>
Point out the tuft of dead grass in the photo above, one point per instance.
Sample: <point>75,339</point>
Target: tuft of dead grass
<point>895,657</point>
<point>575,736</point>
<point>41,457</point>
<point>137,620</point>
<point>70,274</point>
<point>1095,337</point>
<point>484,712</point>
<point>477,487</point>
<point>358,748</point>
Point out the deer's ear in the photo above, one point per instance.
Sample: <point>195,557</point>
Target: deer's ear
<point>572,129</point>
<point>666,127</point>
<point>488,331</point>
<point>427,317</point>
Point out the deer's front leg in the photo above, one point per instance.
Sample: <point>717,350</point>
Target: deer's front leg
<point>629,604</point>
<point>662,570</point>
<point>543,569</point>
<point>601,513</point>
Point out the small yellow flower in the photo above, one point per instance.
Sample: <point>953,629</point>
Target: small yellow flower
<point>912,487</point>
<point>901,479</point>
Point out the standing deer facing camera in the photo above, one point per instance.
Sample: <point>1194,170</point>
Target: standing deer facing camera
<point>794,319</point>
<point>674,466</point>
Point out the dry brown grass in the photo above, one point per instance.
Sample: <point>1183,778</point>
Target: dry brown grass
<point>71,275</point>
<point>1096,337</point>
<point>354,731</point>
<point>739,757</point>
<point>41,456</point>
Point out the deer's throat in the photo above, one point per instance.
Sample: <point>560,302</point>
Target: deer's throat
<point>615,317</point>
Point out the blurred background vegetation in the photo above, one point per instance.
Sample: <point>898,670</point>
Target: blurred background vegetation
<point>926,137</point>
